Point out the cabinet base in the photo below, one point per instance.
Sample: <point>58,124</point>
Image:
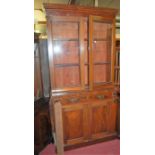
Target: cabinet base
<point>107,138</point>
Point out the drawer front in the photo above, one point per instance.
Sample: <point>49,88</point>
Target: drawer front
<point>85,96</point>
<point>102,95</point>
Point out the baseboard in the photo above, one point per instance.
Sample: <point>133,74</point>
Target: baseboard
<point>90,142</point>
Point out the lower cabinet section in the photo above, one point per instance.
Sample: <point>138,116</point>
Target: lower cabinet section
<point>88,121</point>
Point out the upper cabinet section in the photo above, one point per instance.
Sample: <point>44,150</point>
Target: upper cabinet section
<point>81,46</point>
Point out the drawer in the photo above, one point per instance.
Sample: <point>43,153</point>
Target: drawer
<point>101,95</point>
<point>84,97</point>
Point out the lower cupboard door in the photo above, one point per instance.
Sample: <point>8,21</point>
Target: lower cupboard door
<point>103,119</point>
<point>99,120</point>
<point>113,117</point>
<point>73,124</point>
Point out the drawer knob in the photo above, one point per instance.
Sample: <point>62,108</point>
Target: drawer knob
<point>101,97</point>
<point>74,100</point>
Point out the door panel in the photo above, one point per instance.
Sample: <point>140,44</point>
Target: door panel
<point>102,73</point>
<point>102,51</point>
<point>65,30</point>
<point>73,123</point>
<point>99,119</point>
<point>66,52</point>
<point>85,122</point>
<point>100,44</point>
<point>67,35</point>
<point>113,117</point>
<point>67,76</point>
<point>103,118</point>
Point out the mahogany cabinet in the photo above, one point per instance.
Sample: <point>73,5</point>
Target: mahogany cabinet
<point>81,48</point>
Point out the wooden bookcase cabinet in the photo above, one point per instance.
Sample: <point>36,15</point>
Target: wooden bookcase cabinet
<point>81,46</point>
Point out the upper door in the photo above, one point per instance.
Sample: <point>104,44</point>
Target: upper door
<point>101,33</point>
<point>80,52</point>
<point>67,52</point>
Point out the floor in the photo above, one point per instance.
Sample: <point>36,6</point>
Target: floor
<point>105,148</point>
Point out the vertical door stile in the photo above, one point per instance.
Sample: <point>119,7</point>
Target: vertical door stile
<point>85,122</point>
<point>90,52</point>
<point>90,122</point>
<point>59,128</point>
<point>50,52</point>
<point>81,40</point>
<point>113,50</point>
<point>109,48</point>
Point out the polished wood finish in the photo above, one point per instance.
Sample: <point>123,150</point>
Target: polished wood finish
<point>57,9</point>
<point>90,52</point>
<point>87,143</point>
<point>99,116</point>
<point>117,63</point>
<point>81,44</point>
<point>59,128</point>
<point>74,117</point>
<point>67,53</point>
<point>117,82</point>
<point>88,120</point>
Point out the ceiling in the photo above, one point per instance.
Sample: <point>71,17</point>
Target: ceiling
<point>39,15</point>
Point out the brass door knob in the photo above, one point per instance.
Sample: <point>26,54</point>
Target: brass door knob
<point>74,100</point>
<point>101,97</point>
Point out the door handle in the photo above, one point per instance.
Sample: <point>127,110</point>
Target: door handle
<point>101,97</point>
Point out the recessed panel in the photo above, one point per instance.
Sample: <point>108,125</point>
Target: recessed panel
<point>65,30</point>
<point>101,30</point>
<point>67,76</point>
<point>102,73</point>
<point>66,52</point>
<point>101,51</point>
<point>73,124</point>
<point>99,119</point>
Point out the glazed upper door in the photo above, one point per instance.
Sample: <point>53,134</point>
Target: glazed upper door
<point>67,57</point>
<point>100,43</point>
